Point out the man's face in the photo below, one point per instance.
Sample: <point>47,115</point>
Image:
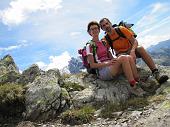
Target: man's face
<point>106,26</point>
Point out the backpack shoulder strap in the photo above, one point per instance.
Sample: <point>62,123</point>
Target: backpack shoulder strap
<point>94,49</point>
<point>109,40</point>
<point>119,32</point>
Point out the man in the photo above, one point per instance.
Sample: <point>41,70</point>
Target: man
<point>129,45</point>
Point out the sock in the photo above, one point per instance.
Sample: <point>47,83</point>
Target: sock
<point>132,83</point>
<point>154,70</point>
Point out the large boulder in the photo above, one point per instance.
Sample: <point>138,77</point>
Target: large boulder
<point>96,90</point>
<point>43,96</point>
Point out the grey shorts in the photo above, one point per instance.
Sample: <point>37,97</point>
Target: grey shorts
<point>105,74</point>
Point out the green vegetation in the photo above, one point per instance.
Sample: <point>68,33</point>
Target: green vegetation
<point>78,116</point>
<point>131,104</point>
<point>9,77</point>
<point>110,108</point>
<point>11,99</point>
<point>156,98</point>
<point>65,76</point>
<point>69,86</point>
<point>166,105</point>
<point>137,103</point>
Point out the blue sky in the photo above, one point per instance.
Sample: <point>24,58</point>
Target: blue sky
<point>49,32</point>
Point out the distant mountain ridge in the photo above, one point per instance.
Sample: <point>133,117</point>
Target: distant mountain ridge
<point>161,45</point>
<point>161,53</point>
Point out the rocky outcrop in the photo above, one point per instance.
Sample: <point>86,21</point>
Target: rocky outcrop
<point>96,90</point>
<point>49,93</point>
<point>7,64</point>
<point>30,74</point>
<point>43,96</point>
<point>9,72</point>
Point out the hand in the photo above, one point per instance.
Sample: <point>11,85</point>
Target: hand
<point>113,61</point>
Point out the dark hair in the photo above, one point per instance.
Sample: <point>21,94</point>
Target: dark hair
<point>103,20</point>
<point>92,23</point>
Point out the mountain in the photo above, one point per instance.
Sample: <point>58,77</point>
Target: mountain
<point>160,46</point>
<point>161,53</point>
<point>75,65</point>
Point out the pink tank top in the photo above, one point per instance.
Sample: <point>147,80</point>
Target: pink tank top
<point>102,52</point>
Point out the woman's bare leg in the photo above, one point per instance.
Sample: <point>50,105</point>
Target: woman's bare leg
<point>133,67</point>
<point>123,64</point>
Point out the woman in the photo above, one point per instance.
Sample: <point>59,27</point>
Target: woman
<point>108,66</point>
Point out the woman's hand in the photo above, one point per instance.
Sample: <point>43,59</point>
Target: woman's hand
<point>111,62</point>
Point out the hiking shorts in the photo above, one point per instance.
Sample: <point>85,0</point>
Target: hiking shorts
<point>128,52</point>
<point>105,73</point>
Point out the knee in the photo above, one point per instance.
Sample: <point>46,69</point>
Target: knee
<point>140,49</point>
<point>130,58</point>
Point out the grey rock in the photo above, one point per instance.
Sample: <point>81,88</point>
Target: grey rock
<point>30,74</point>
<point>43,96</point>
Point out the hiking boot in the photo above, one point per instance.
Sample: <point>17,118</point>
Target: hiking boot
<point>161,79</point>
<point>137,90</point>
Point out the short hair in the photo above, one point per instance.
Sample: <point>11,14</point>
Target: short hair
<point>103,20</point>
<point>92,23</point>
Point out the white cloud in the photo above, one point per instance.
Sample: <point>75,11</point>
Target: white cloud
<point>154,15</point>
<point>149,40</point>
<point>158,26</point>
<point>108,0</point>
<point>59,62</point>
<point>20,10</point>
<point>157,7</point>
<point>152,26</point>
<point>22,43</point>
<point>75,34</point>
<point>42,65</point>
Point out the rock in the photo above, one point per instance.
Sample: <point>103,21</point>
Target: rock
<point>97,90</point>
<point>7,65</point>
<point>9,77</point>
<point>47,95</point>
<point>30,74</point>
<point>43,97</point>
<point>9,72</point>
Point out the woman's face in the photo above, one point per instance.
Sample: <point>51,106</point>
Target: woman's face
<point>94,30</point>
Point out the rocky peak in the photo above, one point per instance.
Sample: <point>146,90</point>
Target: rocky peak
<point>30,74</point>
<point>7,64</point>
<point>8,58</point>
